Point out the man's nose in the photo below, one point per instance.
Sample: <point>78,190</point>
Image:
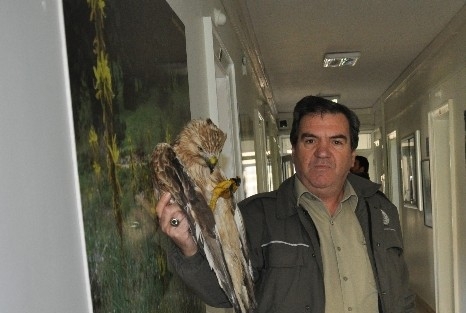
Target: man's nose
<point>322,149</point>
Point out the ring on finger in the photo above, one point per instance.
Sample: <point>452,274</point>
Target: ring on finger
<point>175,222</point>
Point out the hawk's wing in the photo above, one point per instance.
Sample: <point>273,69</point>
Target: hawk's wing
<point>232,234</point>
<point>169,176</point>
<point>166,173</point>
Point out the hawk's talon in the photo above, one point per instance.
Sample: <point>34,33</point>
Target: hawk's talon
<point>224,189</point>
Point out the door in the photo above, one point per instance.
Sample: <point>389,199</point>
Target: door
<point>393,190</point>
<point>442,210</point>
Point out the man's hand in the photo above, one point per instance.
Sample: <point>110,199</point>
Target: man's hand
<point>174,223</point>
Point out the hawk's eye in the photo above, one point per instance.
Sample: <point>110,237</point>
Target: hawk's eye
<point>200,149</point>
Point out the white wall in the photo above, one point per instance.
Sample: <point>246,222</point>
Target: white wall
<point>42,261</point>
<point>201,83</point>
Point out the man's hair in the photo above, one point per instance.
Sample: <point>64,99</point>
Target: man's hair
<point>363,161</point>
<point>312,105</point>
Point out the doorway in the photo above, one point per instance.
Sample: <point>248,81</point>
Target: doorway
<point>440,134</point>
<point>227,110</point>
<point>393,190</point>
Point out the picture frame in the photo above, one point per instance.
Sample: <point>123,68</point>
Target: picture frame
<point>426,192</point>
<point>411,177</point>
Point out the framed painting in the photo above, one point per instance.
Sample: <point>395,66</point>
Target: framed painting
<point>129,88</point>
<point>411,171</point>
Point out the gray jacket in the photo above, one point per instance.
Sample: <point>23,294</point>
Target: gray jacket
<point>289,277</point>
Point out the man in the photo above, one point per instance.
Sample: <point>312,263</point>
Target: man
<point>360,166</point>
<point>325,241</point>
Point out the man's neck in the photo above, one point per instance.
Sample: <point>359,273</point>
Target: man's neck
<point>332,206</point>
<point>332,199</point>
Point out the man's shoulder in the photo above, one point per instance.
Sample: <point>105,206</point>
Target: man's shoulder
<point>270,195</point>
<point>362,186</point>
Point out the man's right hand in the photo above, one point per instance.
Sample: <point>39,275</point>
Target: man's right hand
<point>168,213</point>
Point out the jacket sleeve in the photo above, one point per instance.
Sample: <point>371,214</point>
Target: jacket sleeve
<point>408,295</point>
<point>199,277</point>
<point>399,266</point>
<point>390,257</point>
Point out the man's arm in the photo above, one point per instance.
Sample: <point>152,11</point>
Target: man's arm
<point>199,277</point>
<point>185,256</point>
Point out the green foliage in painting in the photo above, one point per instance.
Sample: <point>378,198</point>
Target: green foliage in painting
<point>103,78</point>
<point>104,93</point>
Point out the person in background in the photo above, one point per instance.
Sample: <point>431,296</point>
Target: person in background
<point>360,166</point>
<point>327,241</point>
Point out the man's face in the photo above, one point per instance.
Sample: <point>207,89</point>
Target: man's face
<point>322,155</point>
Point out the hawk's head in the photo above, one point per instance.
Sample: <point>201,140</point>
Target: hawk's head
<point>200,143</point>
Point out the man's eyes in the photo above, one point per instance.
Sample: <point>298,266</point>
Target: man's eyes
<point>336,142</point>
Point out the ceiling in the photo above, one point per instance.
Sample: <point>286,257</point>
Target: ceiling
<point>290,37</point>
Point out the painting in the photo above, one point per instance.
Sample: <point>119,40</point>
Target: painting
<point>129,88</point>
<point>410,171</point>
<point>426,192</point>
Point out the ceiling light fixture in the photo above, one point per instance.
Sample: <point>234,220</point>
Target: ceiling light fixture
<point>332,98</point>
<point>341,59</point>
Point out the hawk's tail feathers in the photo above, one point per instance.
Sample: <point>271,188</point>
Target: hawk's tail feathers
<point>214,255</point>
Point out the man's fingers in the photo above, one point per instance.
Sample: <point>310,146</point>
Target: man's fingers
<point>173,222</point>
<point>169,214</point>
<point>162,203</point>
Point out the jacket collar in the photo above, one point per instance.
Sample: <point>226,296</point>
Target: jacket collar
<point>286,197</point>
<point>363,186</point>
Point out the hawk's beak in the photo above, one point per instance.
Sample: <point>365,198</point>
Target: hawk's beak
<point>212,162</point>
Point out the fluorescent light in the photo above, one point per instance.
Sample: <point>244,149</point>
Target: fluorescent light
<point>332,98</point>
<point>341,59</point>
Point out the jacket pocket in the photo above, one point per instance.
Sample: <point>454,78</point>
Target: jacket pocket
<point>289,280</point>
<point>393,242</point>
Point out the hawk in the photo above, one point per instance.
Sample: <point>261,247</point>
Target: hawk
<point>189,170</point>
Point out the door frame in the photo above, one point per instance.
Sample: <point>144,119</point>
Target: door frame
<point>441,151</point>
